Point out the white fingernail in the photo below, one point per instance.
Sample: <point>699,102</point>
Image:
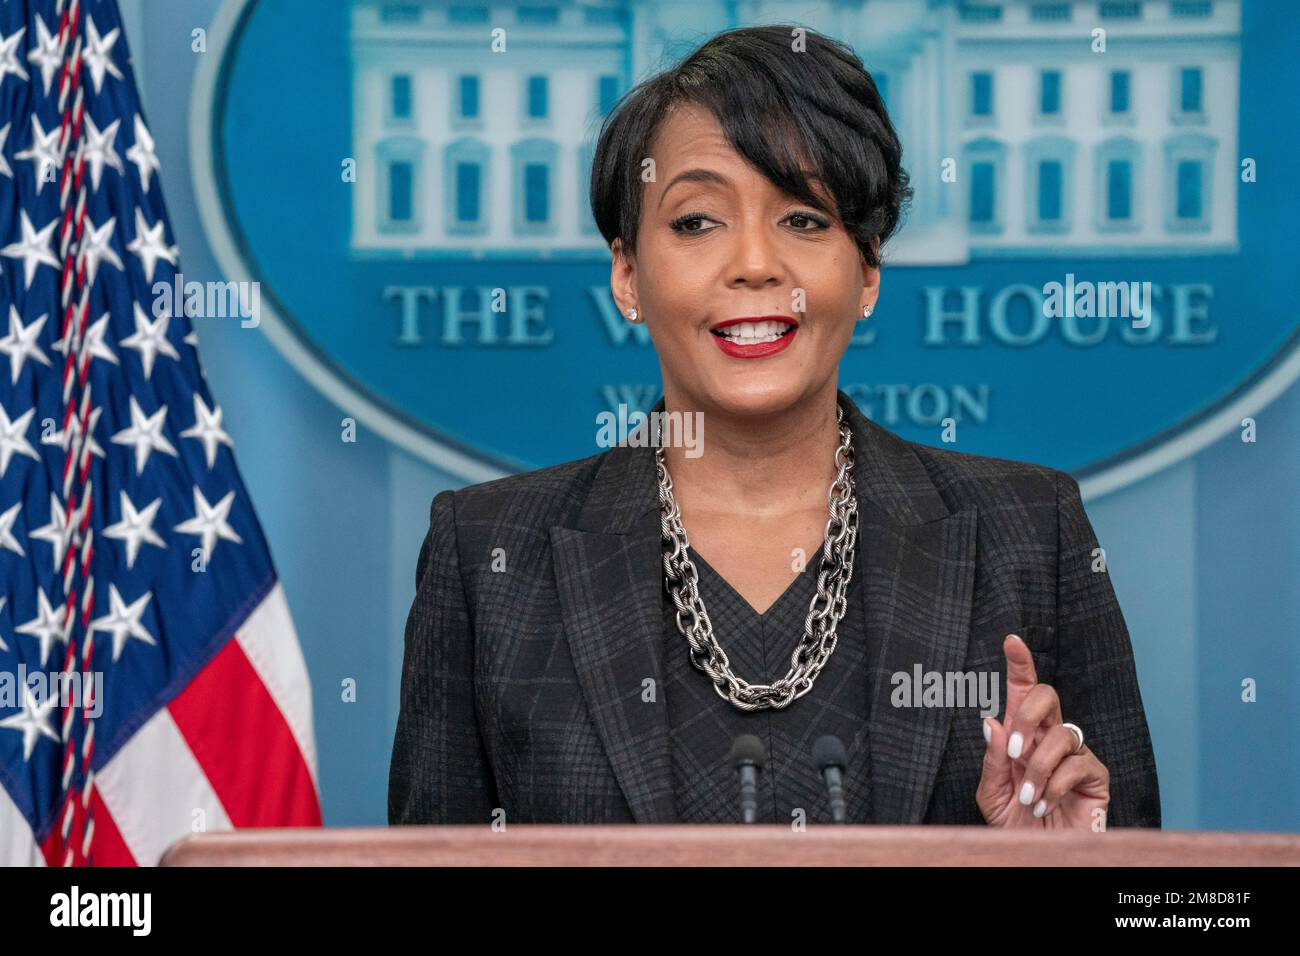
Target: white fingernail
<point>1015,745</point>
<point>988,731</point>
<point>1027,793</point>
<point>1040,808</point>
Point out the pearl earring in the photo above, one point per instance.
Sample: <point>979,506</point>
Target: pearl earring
<point>631,315</point>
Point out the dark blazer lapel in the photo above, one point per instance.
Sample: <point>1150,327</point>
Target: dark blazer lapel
<point>918,570</point>
<point>608,573</point>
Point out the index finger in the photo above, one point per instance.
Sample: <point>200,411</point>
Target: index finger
<point>1021,674</point>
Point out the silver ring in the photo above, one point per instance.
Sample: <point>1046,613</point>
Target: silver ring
<point>1078,736</point>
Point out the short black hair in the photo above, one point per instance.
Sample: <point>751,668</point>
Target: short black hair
<point>778,107</point>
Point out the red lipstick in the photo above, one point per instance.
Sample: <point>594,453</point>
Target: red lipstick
<point>759,349</point>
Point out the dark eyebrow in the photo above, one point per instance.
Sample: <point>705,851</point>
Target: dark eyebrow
<point>711,176</point>
<point>695,176</point>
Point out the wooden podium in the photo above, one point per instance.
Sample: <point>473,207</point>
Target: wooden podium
<point>732,845</point>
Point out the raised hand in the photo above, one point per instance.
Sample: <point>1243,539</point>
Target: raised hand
<point>1031,776</point>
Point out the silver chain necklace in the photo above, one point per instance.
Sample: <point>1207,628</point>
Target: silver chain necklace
<point>824,612</point>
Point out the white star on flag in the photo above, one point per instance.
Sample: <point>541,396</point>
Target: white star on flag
<point>98,53</point>
<point>149,244</point>
<point>9,55</point>
<point>96,244</point>
<point>142,153</point>
<point>150,339</point>
<point>46,53</point>
<point>44,153</point>
<point>32,721</point>
<point>46,627</point>
<point>123,620</point>
<point>145,434</point>
<point>4,163</point>
<point>20,344</point>
<point>34,249</point>
<point>207,429</point>
<point>13,438</point>
<point>136,528</point>
<point>98,150</point>
<point>7,539</point>
<point>209,522</point>
<point>57,532</point>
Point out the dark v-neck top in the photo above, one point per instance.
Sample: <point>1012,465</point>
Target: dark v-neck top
<point>702,725</point>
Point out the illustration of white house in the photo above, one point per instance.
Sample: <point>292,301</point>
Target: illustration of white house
<point>1030,127</point>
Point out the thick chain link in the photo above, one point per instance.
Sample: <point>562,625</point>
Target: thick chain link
<point>824,612</point>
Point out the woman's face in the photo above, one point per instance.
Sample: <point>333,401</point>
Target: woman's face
<point>718,241</point>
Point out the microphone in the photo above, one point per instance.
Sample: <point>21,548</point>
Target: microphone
<point>748,756</point>
<point>830,758</point>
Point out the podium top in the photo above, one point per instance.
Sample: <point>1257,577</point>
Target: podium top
<point>727,845</point>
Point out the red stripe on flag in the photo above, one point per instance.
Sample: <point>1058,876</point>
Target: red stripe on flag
<point>241,740</point>
<point>108,848</point>
<point>51,847</point>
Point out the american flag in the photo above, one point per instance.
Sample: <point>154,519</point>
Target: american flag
<point>130,554</point>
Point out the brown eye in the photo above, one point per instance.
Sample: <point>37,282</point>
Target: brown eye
<point>681,222</point>
<point>817,221</point>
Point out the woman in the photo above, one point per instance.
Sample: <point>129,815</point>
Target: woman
<point>588,641</point>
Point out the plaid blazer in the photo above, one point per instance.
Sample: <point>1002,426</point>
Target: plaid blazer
<point>537,622</point>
